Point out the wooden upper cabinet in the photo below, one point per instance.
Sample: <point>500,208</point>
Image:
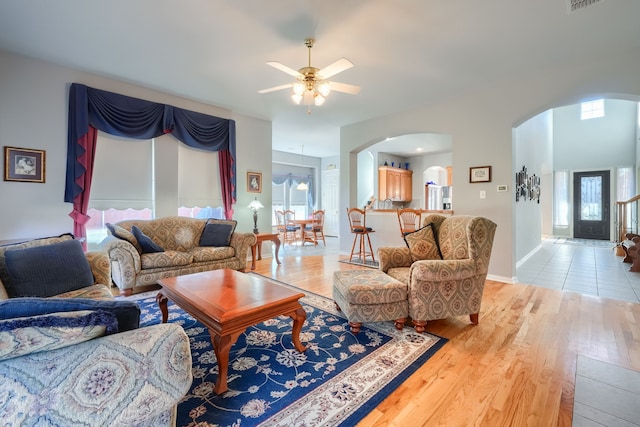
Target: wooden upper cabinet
<point>395,184</point>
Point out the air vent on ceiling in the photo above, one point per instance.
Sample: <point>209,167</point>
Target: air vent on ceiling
<point>575,5</point>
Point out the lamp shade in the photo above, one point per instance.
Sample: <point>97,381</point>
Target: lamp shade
<point>255,204</point>
<point>302,186</point>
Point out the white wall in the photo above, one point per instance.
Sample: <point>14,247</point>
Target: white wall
<point>598,143</point>
<point>480,121</point>
<point>533,148</point>
<point>33,114</point>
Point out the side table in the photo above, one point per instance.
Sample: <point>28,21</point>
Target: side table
<point>261,237</point>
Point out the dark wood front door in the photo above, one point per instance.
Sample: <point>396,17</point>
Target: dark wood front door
<point>591,205</point>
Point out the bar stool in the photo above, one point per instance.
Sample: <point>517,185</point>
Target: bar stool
<point>357,223</point>
<point>409,220</point>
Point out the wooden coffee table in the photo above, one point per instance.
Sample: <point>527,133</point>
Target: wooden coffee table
<point>228,302</point>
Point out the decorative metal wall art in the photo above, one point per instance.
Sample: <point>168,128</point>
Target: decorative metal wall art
<point>527,187</point>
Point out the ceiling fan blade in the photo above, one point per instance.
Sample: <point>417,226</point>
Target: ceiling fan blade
<point>275,88</point>
<point>337,67</point>
<point>279,66</point>
<point>343,87</point>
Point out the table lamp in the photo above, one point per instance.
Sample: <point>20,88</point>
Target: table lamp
<point>254,206</point>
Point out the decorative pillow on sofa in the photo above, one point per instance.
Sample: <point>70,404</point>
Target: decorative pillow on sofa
<point>147,245</point>
<point>25,335</point>
<point>126,312</point>
<point>218,232</point>
<point>422,244</point>
<point>45,271</point>
<point>124,234</point>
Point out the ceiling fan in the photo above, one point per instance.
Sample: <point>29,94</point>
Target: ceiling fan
<point>312,85</point>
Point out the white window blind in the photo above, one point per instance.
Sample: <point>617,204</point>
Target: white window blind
<point>122,173</point>
<point>561,199</point>
<point>198,178</point>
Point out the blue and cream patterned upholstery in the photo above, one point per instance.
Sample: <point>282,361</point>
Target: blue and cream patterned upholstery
<point>134,378</point>
<point>60,370</point>
<point>180,239</point>
<point>450,287</point>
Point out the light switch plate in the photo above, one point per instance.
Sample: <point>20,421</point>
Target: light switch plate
<point>503,188</point>
<point>483,194</point>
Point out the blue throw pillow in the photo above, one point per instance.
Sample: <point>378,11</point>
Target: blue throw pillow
<point>148,246</point>
<point>217,232</point>
<point>48,270</point>
<point>126,312</point>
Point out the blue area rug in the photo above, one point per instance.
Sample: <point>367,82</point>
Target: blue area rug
<point>337,381</point>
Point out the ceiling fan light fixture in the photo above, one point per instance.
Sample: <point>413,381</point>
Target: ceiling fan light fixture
<point>324,88</point>
<point>318,100</point>
<point>298,88</point>
<point>296,98</point>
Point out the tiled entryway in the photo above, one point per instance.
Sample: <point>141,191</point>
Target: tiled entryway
<point>586,267</point>
<point>605,395</point>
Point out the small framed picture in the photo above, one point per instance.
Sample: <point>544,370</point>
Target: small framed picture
<point>254,182</point>
<point>480,174</point>
<point>24,165</point>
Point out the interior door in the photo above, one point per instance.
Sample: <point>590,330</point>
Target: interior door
<point>591,205</point>
<point>330,201</point>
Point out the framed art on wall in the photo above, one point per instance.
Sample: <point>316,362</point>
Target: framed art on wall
<point>480,174</point>
<point>24,164</point>
<point>254,182</point>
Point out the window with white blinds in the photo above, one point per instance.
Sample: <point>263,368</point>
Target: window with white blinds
<point>122,173</point>
<point>198,176</point>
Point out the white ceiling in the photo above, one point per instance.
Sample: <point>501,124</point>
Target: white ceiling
<point>406,53</point>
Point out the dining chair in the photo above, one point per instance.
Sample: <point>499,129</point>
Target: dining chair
<point>287,231</point>
<point>409,220</point>
<point>358,226</point>
<point>315,230</point>
<point>290,225</point>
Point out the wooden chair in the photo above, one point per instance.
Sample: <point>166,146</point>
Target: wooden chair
<point>358,226</point>
<point>285,228</point>
<point>315,230</point>
<point>409,220</point>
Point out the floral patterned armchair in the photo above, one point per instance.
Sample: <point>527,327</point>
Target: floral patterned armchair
<point>450,286</point>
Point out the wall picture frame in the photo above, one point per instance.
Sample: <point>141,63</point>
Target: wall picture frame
<point>24,164</point>
<point>480,174</point>
<point>254,182</point>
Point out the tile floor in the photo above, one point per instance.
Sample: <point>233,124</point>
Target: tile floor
<point>587,267</point>
<point>605,395</point>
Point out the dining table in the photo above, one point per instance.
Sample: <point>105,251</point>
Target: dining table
<point>303,223</point>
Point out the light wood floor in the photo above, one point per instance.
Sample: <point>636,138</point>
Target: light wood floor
<point>516,368</point>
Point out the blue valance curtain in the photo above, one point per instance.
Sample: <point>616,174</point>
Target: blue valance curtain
<point>91,109</point>
<point>293,181</point>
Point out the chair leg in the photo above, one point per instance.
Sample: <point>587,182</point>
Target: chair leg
<point>355,237</point>
<point>370,248</point>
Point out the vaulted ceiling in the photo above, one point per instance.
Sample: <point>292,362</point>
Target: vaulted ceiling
<point>406,53</point>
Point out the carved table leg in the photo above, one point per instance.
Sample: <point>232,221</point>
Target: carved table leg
<point>222,346</point>
<point>162,303</point>
<point>298,317</point>
<point>355,327</point>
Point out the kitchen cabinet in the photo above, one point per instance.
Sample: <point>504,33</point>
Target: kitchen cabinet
<point>394,184</point>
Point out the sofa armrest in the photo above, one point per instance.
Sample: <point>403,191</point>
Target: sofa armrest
<point>392,257</point>
<point>131,378</point>
<point>125,261</point>
<point>100,267</point>
<point>241,242</point>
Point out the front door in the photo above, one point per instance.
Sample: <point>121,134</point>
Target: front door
<point>591,205</point>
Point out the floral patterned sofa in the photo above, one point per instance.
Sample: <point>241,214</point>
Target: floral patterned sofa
<point>182,249</point>
<point>445,265</point>
<point>78,357</point>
